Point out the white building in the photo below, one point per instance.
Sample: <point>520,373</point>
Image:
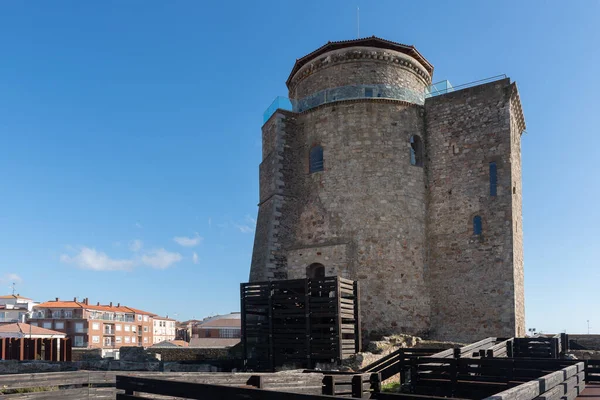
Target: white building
<point>14,308</point>
<point>164,329</point>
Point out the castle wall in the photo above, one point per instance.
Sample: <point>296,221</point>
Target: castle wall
<point>471,277</point>
<point>404,232</point>
<point>361,66</point>
<point>517,213</point>
<point>363,217</point>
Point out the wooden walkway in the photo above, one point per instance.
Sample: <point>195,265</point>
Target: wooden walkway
<point>591,391</point>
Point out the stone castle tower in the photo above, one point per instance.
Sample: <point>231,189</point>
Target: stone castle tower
<point>417,197</point>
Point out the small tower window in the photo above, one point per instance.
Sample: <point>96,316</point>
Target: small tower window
<point>477,226</point>
<point>315,271</point>
<point>316,159</point>
<point>416,151</point>
<point>368,92</point>
<point>493,179</point>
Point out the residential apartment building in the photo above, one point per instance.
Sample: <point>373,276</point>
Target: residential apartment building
<point>96,326</point>
<point>14,308</point>
<point>164,329</point>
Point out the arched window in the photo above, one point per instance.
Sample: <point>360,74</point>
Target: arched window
<point>315,271</point>
<point>493,179</point>
<point>416,151</point>
<point>477,226</point>
<point>316,159</point>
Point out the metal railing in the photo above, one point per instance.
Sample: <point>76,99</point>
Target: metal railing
<point>445,86</point>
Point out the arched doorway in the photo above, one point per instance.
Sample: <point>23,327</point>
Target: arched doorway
<point>315,271</point>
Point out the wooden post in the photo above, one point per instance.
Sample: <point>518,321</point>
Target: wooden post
<point>256,381</point>
<point>509,349</point>
<point>21,344</point>
<point>357,324</point>
<point>414,374</point>
<point>456,352</point>
<point>454,374</point>
<point>54,349</point>
<point>271,354</point>
<point>490,353</point>
<point>401,365</point>
<point>3,343</point>
<point>357,386</point>
<point>339,319</point>
<point>376,382</point>
<point>481,353</point>
<point>329,385</point>
<point>307,333</point>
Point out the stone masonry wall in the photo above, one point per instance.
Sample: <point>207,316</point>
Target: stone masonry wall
<point>471,277</point>
<point>365,213</point>
<point>359,66</point>
<point>517,213</point>
<point>266,257</point>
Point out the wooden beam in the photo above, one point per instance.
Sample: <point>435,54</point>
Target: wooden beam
<point>203,391</point>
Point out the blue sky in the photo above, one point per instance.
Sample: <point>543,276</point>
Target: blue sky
<point>130,138</point>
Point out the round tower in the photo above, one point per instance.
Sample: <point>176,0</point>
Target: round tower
<point>343,188</point>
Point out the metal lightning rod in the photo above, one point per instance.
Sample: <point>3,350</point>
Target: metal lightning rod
<point>357,22</point>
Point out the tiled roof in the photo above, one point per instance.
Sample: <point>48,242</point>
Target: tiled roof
<point>79,304</point>
<point>213,342</point>
<point>12,296</point>
<point>164,318</point>
<point>372,41</point>
<point>25,329</point>
<point>222,323</point>
<point>171,343</point>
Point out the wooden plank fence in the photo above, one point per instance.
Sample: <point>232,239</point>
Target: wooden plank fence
<point>101,384</point>
<point>299,321</point>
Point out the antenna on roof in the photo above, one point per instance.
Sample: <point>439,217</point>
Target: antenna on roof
<point>13,288</point>
<point>357,22</point>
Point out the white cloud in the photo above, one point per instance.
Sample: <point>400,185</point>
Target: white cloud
<point>160,258</point>
<point>138,225</point>
<point>189,241</point>
<point>244,228</point>
<point>248,226</point>
<point>11,278</point>
<point>89,258</point>
<point>136,245</point>
<point>195,258</point>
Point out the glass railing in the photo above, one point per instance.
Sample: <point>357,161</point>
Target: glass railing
<point>438,88</point>
<point>280,102</point>
<point>444,87</point>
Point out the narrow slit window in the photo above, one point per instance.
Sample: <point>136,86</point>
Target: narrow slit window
<point>316,159</point>
<point>477,226</point>
<point>493,179</point>
<point>416,151</point>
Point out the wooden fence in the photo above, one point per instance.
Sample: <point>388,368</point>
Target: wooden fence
<point>22,349</point>
<point>477,378</point>
<point>79,385</point>
<point>301,322</point>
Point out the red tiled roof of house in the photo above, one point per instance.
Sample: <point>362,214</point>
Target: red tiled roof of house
<point>13,296</point>
<point>96,307</point>
<point>25,329</point>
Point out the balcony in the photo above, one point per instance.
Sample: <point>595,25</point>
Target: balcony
<point>111,333</point>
